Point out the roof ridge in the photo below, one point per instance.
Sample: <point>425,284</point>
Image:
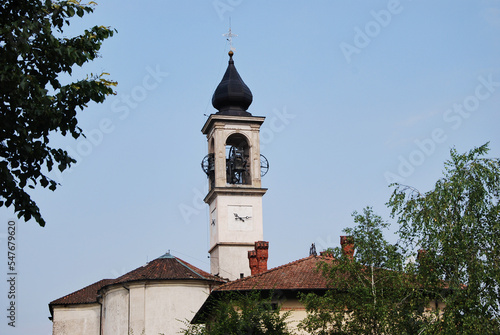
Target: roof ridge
<point>192,270</point>
<point>196,270</point>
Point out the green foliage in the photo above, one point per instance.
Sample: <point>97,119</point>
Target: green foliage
<point>34,102</point>
<point>370,293</point>
<point>242,314</point>
<point>456,227</point>
<point>457,224</point>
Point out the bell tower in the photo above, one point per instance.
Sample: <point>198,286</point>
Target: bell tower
<point>234,167</point>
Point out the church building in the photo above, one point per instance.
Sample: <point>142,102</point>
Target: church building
<point>152,298</point>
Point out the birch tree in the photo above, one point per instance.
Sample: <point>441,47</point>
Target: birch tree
<point>456,225</point>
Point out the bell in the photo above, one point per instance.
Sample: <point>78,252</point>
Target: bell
<point>239,165</point>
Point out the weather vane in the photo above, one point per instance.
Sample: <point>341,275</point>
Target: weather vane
<point>229,36</point>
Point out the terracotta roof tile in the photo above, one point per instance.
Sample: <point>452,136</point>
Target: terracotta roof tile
<point>301,274</point>
<point>86,295</point>
<point>165,268</point>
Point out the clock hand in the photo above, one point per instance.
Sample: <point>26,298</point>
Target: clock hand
<point>237,217</point>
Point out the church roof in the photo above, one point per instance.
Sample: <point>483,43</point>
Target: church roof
<point>165,267</point>
<point>232,96</point>
<point>302,274</point>
<point>86,295</point>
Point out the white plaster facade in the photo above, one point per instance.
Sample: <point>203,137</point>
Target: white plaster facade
<point>297,314</point>
<point>232,238</point>
<point>76,319</point>
<point>151,307</point>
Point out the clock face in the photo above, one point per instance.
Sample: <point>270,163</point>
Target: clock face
<point>240,218</point>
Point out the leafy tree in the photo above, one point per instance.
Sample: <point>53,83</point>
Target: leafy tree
<point>371,291</point>
<point>242,314</point>
<point>34,102</point>
<point>457,225</point>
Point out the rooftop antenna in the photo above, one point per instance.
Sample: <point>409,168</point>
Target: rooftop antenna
<point>312,250</point>
<point>229,36</point>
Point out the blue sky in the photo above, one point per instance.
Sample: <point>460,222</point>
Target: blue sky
<point>355,93</point>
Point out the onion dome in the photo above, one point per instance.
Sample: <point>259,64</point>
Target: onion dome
<point>232,96</point>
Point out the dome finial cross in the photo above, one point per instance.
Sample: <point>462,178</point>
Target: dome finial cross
<point>229,36</point>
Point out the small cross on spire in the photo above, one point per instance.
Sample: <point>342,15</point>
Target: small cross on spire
<point>229,36</point>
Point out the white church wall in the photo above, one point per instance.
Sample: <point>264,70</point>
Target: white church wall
<point>77,319</point>
<point>168,304</point>
<point>115,311</point>
<point>138,308</point>
<point>155,306</point>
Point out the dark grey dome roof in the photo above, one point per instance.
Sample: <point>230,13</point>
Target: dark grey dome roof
<point>232,96</point>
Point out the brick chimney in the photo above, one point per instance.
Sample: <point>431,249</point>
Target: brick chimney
<point>258,258</point>
<point>262,249</point>
<point>252,259</point>
<point>347,243</point>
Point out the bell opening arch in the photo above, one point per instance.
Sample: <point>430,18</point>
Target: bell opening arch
<point>238,160</point>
